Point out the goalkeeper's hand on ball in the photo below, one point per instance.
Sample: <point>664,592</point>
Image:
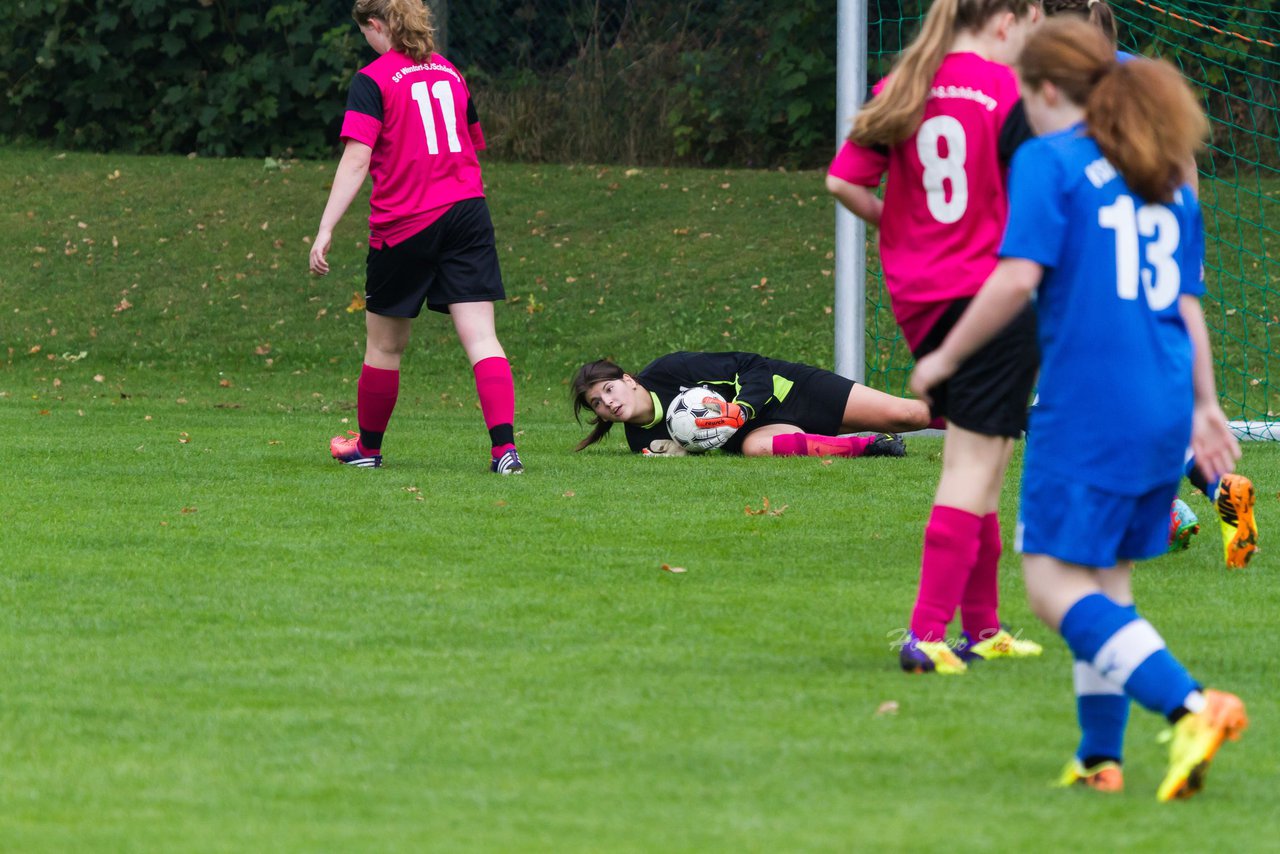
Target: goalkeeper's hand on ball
<point>731,415</point>
<point>710,438</point>
<point>714,431</point>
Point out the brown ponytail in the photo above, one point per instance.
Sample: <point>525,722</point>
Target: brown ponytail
<point>1142,113</point>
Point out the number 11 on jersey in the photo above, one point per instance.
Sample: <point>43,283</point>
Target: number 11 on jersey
<point>441,92</point>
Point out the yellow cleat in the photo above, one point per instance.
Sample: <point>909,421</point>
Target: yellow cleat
<point>1194,741</point>
<point>1103,777</point>
<point>1235,501</point>
<point>917,656</point>
<point>1000,645</point>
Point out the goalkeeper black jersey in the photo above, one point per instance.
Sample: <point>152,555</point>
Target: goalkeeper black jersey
<point>757,383</point>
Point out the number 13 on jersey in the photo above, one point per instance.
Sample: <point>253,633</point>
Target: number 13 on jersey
<point>1160,276</point>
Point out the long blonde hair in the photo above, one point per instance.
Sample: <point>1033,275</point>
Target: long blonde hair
<point>896,112</point>
<point>408,24</point>
<point>1142,113</point>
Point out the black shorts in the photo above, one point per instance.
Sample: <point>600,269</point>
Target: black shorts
<point>990,391</point>
<point>454,259</point>
<point>815,404</point>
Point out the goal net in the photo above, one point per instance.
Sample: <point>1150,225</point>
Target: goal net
<point>1231,55</point>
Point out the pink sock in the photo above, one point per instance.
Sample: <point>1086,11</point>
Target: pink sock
<point>950,551</point>
<point>811,445</point>
<point>497,393</point>
<point>981,597</point>
<point>376,394</point>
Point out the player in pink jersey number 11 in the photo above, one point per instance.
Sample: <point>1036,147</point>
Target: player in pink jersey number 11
<point>411,127</point>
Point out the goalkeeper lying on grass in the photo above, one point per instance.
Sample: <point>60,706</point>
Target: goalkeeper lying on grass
<point>774,408</point>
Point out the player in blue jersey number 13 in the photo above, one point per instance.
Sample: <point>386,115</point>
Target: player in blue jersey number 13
<point>1232,495</point>
<point>1106,234</point>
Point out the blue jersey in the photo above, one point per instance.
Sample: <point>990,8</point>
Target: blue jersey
<point>1115,383</point>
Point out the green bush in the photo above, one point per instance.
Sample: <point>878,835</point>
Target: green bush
<point>221,77</point>
<point>658,82</point>
<point>723,82</point>
<point>719,82</point>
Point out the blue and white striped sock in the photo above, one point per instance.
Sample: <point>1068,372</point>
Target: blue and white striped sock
<point>1102,708</point>
<point>1127,651</point>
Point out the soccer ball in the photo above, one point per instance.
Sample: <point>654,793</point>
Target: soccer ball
<point>681,415</point>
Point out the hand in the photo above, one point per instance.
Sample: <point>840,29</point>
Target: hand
<point>710,438</point>
<point>319,251</point>
<point>731,415</point>
<point>1214,445</point>
<point>933,369</point>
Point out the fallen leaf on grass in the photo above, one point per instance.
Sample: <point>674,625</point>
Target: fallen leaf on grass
<point>765,509</point>
<point>357,304</point>
<point>123,305</point>
<point>569,494</point>
<point>184,438</point>
<point>187,511</point>
<point>888,707</point>
<point>666,567</point>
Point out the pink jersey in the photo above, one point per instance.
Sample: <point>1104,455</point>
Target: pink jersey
<point>418,118</point>
<point>945,204</point>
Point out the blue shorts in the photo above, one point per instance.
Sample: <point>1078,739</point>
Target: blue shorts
<point>1082,524</point>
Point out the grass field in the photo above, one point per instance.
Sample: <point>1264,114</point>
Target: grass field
<point>215,639</point>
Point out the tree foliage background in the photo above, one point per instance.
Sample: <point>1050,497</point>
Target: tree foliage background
<point>222,77</point>
<point>747,83</point>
